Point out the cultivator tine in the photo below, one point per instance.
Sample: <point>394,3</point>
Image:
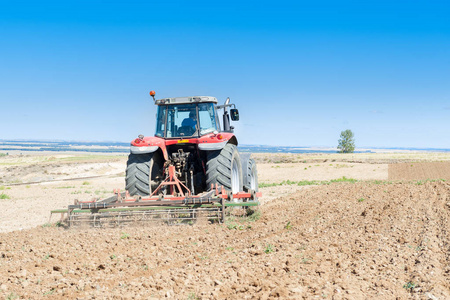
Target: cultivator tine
<point>222,212</point>
<point>176,216</point>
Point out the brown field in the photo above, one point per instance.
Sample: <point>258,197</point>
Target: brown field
<point>381,232</point>
<point>419,171</point>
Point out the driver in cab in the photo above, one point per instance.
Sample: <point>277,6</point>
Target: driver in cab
<point>191,121</point>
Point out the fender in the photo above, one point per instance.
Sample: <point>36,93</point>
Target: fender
<point>216,141</point>
<point>149,145</point>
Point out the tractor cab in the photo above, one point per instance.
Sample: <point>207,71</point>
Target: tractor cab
<point>186,117</point>
<point>191,117</point>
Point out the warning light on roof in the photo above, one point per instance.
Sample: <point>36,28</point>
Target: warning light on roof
<point>153,93</point>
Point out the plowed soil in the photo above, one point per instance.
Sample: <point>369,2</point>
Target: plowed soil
<point>340,241</point>
<point>373,239</point>
<point>419,171</point>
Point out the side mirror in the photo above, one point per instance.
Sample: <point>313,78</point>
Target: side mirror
<point>234,114</point>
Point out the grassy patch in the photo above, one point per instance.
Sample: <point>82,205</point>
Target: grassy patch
<point>242,222</point>
<point>57,224</point>
<point>421,182</point>
<point>235,226</point>
<point>86,183</point>
<point>66,187</point>
<point>344,179</point>
<point>263,184</point>
<point>308,182</point>
<point>4,196</point>
<point>79,158</point>
<point>98,192</point>
<point>253,215</point>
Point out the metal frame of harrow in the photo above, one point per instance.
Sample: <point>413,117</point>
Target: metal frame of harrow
<point>119,209</point>
<point>178,206</point>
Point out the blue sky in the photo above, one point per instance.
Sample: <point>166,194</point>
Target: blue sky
<point>300,72</point>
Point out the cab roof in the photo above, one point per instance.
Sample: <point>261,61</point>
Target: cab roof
<point>184,100</point>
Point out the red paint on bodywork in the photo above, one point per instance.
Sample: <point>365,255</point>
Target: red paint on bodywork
<point>163,143</point>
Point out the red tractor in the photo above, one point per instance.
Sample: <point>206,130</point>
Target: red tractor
<point>190,169</point>
<point>190,137</point>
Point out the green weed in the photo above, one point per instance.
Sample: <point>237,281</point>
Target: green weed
<point>288,226</point>
<point>307,182</point>
<point>344,179</point>
<point>4,196</point>
<point>305,260</point>
<point>409,285</point>
<point>124,236</point>
<point>235,226</point>
<point>263,185</point>
<point>12,296</point>
<point>192,296</point>
<point>49,292</point>
<point>269,249</point>
<point>361,200</point>
<point>253,215</point>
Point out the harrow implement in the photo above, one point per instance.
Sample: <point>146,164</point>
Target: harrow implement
<point>175,207</point>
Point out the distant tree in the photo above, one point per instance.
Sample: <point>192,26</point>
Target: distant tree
<point>346,142</point>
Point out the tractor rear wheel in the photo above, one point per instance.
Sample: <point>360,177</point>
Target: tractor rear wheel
<point>224,168</point>
<point>144,173</point>
<point>250,174</point>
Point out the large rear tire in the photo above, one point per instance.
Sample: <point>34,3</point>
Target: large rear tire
<point>144,173</point>
<point>224,168</point>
